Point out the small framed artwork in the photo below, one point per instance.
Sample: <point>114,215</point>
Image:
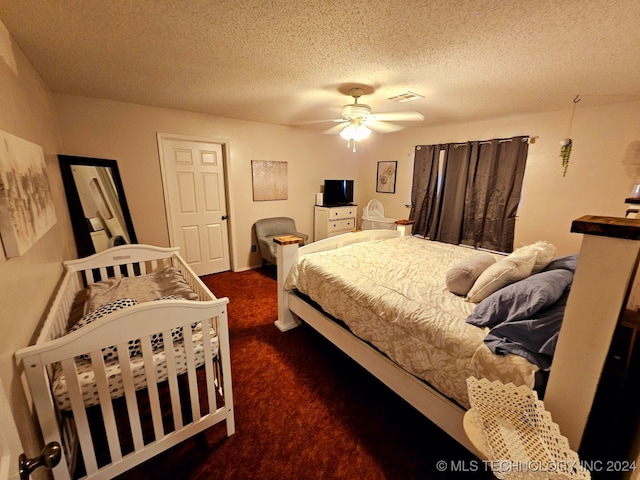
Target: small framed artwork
<point>386,181</point>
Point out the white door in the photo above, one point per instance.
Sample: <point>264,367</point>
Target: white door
<point>195,200</point>
<point>10,447</point>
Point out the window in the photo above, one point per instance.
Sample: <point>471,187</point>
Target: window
<point>468,193</point>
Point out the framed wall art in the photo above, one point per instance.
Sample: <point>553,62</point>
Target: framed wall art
<point>386,180</point>
<point>269,180</point>
<point>26,206</point>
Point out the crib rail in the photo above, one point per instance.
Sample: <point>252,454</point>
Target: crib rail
<point>195,395</point>
<point>122,261</point>
<point>207,391</point>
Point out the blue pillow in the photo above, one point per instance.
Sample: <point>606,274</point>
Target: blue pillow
<point>522,299</point>
<point>533,338</point>
<point>564,263</point>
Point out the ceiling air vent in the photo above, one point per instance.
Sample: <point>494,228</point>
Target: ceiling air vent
<point>406,97</point>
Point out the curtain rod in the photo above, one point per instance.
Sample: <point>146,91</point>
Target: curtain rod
<point>488,142</point>
<point>442,146</point>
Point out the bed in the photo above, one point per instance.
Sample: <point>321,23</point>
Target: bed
<point>457,352</point>
<point>146,305</point>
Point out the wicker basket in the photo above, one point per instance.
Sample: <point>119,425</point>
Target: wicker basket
<point>523,441</point>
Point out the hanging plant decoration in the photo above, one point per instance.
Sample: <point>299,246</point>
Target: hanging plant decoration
<point>565,153</point>
<point>567,143</point>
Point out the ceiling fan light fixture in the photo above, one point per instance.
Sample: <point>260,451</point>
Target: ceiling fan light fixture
<point>356,110</point>
<point>355,131</point>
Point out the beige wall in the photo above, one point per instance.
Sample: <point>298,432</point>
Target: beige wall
<point>26,282</point>
<point>596,183</point>
<point>128,134</point>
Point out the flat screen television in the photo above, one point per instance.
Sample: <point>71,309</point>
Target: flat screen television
<point>337,193</point>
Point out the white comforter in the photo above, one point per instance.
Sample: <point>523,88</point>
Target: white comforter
<point>392,294</point>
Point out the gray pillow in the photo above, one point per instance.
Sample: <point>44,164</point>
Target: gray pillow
<point>461,277</point>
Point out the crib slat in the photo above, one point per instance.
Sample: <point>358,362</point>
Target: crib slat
<point>88,277</point>
<point>172,378</point>
<point>103,273</point>
<point>225,363</point>
<point>116,272</point>
<point>130,270</point>
<point>108,416</point>
<point>143,268</point>
<point>152,386</point>
<point>208,365</point>
<point>80,415</point>
<point>191,372</point>
<point>130,396</point>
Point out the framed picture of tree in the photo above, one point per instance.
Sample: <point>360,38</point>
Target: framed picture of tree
<point>386,180</point>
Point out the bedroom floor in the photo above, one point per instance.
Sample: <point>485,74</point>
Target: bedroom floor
<point>304,410</point>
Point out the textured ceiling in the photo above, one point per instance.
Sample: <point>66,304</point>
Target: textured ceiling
<point>289,62</point>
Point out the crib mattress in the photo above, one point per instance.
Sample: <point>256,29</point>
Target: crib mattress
<point>86,375</point>
<point>392,294</point>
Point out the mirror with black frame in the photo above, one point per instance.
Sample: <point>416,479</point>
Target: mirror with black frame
<point>97,204</point>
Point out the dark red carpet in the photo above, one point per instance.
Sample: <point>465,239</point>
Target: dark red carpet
<point>304,410</point>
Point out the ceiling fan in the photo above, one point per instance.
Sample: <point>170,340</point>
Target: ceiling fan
<point>357,121</point>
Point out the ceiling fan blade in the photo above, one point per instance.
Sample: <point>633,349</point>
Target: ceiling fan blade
<point>382,127</point>
<point>313,122</point>
<point>336,128</point>
<point>408,116</point>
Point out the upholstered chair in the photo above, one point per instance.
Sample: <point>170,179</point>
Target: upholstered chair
<point>269,228</point>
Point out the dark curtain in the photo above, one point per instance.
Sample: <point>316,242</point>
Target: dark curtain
<point>494,185</point>
<point>423,190</point>
<point>480,190</point>
<point>452,196</point>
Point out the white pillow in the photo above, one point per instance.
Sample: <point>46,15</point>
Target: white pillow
<point>502,273</point>
<point>544,252</point>
<point>461,277</point>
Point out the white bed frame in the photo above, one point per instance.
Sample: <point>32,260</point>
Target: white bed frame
<point>137,322</point>
<point>599,293</point>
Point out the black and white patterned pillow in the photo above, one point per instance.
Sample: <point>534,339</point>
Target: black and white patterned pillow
<point>156,338</point>
<point>108,352</point>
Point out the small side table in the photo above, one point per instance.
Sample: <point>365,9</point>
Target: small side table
<point>405,226</point>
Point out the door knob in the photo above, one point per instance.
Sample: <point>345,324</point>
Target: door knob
<point>224,217</point>
<point>49,458</point>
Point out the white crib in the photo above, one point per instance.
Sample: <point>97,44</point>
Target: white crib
<point>190,383</point>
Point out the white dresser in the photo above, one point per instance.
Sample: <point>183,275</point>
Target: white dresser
<point>330,221</point>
